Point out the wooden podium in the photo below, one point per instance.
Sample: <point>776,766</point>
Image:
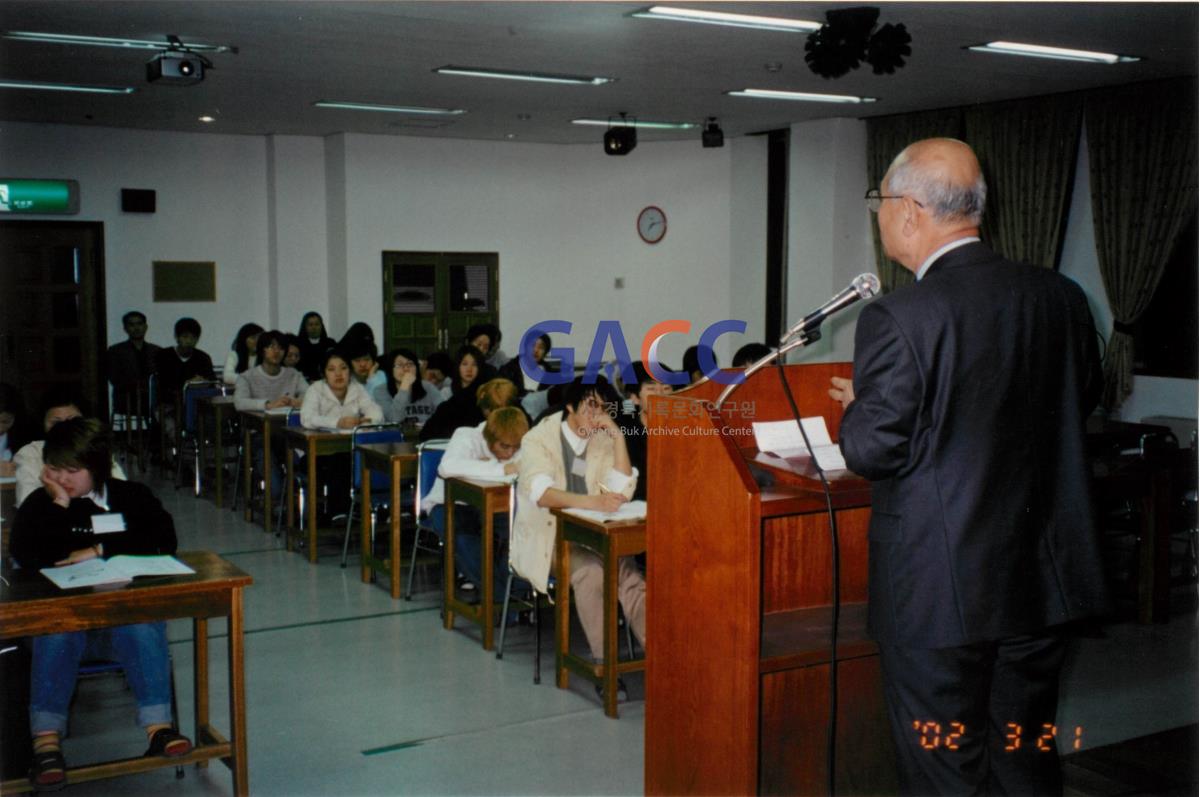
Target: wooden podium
<point>739,594</point>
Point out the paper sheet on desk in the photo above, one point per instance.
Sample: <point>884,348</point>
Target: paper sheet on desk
<point>783,439</point>
<point>116,570</point>
<point>279,411</point>
<point>630,510</point>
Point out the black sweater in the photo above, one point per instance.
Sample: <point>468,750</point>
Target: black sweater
<point>45,533</point>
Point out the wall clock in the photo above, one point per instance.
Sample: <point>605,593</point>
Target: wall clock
<point>652,224</point>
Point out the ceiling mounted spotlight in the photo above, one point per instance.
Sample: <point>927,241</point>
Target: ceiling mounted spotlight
<point>619,139</point>
<point>177,65</point>
<point>850,37</point>
<point>712,135</point>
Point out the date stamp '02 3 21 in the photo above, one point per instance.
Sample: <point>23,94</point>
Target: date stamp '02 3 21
<point>934,736</point>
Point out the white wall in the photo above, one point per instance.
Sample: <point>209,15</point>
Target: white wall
<point>562,219</point>
<point>748,235</point>
<point>212,205</point>
<point>829,237</point>
<point>299,251</point>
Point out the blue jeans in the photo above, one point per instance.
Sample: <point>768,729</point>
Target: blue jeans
<point>278,463</point>
<point>468,544</point>
<point>140,649</point>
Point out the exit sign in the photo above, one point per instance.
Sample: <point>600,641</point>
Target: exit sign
<point>39,196</point>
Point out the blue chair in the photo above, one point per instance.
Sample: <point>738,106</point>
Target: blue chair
<point>192,393</point>
<point>381,485</point>
<point>429,456</point>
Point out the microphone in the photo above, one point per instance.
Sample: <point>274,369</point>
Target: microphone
<point>864,286</point>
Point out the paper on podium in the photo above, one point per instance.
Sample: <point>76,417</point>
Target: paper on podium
<point>116,570</point>
<point>784,440</point>
<point>630,510</point>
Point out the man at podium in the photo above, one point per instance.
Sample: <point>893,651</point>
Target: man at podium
<point>966,412</point>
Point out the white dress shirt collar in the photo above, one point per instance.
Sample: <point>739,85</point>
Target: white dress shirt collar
<point>99,498</point>
<point>929,261</point>
<point>578,444</point>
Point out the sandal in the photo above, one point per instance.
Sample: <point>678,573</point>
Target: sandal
<point>169,743</point>
<point>48,771</point>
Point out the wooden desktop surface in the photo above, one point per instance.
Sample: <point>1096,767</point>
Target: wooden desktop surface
<point>30,605</point>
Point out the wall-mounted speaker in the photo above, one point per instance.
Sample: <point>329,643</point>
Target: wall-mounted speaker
<point>137,200</point>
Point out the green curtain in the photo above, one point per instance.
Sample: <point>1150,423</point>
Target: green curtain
<point>886,137</point>
<point>1142,160</point>
<point>1027,150</point>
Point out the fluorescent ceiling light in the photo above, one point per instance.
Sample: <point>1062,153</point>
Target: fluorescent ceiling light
<point>33,84</point>
<point>536,77</point>
<point>104,41</point>
<point>732,20</point>
<point>1059,53</point>
<point>799,96</point>
<point>363,106</point>
<point>634,123</point>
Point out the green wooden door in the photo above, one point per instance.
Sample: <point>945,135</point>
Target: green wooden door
<point>431,299</point>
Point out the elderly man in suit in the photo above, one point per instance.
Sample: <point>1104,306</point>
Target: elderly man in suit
<point>966,412</point>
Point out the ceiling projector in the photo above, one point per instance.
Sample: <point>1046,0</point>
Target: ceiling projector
<point>178,68</point>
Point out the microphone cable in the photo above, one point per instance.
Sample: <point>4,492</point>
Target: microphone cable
<point>831,728</point>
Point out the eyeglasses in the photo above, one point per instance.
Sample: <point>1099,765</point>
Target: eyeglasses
<point>875,199</point>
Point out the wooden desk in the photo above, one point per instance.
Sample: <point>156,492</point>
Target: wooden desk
<point>611,541</point>
<point>315,443</point>
<point>263,422</point>
<point>8,511</point>
<point>32,605</point>
<point>218,406</point>
<point>488,498</point>
<point>397,460</point>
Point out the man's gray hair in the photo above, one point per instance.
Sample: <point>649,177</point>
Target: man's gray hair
<point>945,201</point>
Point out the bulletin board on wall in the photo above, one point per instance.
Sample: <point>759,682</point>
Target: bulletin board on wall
<point>185,281</point>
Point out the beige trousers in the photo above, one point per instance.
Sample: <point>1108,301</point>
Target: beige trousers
<point>587,580</point>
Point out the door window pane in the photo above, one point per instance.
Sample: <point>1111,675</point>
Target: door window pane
<point>413,289</point>
<point>470,289</point>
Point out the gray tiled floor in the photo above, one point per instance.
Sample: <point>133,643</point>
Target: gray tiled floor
<point>350,692</point>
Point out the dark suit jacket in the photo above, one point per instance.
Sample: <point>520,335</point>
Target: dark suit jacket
<point>972,387</point>
<point>174,372</point>
<point>45,533</point>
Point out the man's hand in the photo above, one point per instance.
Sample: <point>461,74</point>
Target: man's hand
<point>283,401</point>
<point>349,422</point>
<point>842,390</point>
<point>511,469</point>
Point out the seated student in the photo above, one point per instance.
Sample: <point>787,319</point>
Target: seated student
<point>128,364</point>
<point>337,401</point>
<point>458,408</point>
<point>314,342</point>
<point>266,387</point>
<point>437,369</point>
<point>535,395</point>
<point>15,428</point>
<point>487,452</point>
<point>635,426</point>
<point>405,397</point>
<point>691,363</point>
<point>178,365</point>
<point>750,354</point>
<point>292,354</point>
<point>486,338</point>
<point>577,458</point>
<point>364,363</point>
<point>57,406</point>
<point>47,533</point>
<point>243,355</point>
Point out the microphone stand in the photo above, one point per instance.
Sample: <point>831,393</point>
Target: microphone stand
<point>802,338</point>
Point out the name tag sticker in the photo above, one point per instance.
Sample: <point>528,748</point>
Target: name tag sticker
<point>579,467</point>
<point>108,523</point>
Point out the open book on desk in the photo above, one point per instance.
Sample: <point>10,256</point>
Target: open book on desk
<point>116,570</point>
<point>630,510</point>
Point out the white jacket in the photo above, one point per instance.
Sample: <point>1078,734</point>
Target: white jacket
<point>534,531</point>
<point>321,409</point>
